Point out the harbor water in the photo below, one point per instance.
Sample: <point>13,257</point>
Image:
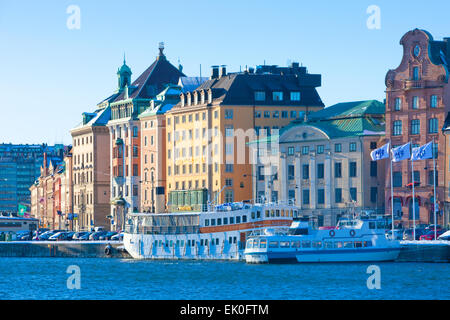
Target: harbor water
<point>47,278</point>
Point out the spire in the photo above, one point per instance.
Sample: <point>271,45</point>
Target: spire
<point>161,49</point>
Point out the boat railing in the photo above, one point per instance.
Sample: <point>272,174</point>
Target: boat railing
<point>162,229</point>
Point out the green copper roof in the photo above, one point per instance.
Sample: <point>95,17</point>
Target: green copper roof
<point>349,109</point>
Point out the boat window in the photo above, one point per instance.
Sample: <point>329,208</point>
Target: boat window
<point>371,225</point>
<point>267,213</point>
<point>358,244</point>
<point>167,243</point>
<point>253,215</point>
<point>244,218</point>
<point>338,244</point>
<point>213,222</point>
<point>282,213</point>
<point>217,241</point>
<point>306,244</point>
<point>295,214</point>
<point>206,222</point>
<point>231,220</point>
<point>219,221</point>
<point>317,244</point>
<point>272,213</point>
<point>182,243</point>
<point>225,220</point>
<point>201,242</point>
<point>295,244</point>
<point>160,243</point>
<point>230,240</point>
<point>278,213</point>
<point>171,243</point>
<point>258,214</point>
<point>263,243</point>
<point>234,239</point>
<point>249,244</point>
<point>206,242</point>
<point>273,244</point>
<point>328,244</point>
<point>348,244</point>
<point>291,213</point>
<point>380,225</point>
<point>367,243</point>
<point>285,244</point>
<point>238,219</point>
<point>155,243</point>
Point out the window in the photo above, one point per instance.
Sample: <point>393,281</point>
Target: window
<point>320,196</point>
<point>338,147</point>
<point>373,168</point>
<point>284,114</point>
<point>266,114</point>
<point>415,126</point>
<point>352,147</point>
<point>338,195</point>
<point>291,172</point>
<point>416,73</point>
<point>338,170</point>
<point>293,114</point>
<point>276,114</point>
<point>397,131</point>
<point>415,102</point>
<point>257,114</point>
<point>291,151</point>
<point>320,171</point>
<point>135,132</point>
<point>353,195</point>
<point>135,170</point>
<point>373,145</point>
<point>228,113</point>
<point>398,104</point>
<point>433,101</point>
<point>261,173</point>
<point>397,179</point>
<point>260,95</point>
<point>305,171</point>
<point>229,168</point>
<point>352,169</point>
<point>277,96</point>
<point>305,150</point>
<point>320,149</point>
<point>305,196</point>
<point>295,96</point>
<point>135,152</point>
<point>373,194</point>
<point>433,125</point>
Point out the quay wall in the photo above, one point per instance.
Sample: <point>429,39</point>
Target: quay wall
<point>69,249</point>
<point>424,251</point>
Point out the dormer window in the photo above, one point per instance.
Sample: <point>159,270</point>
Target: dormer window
<point>210,96</point>
<point>182,98</point>
<point>202,97</point>
<point>295,96</point>
<point>189,98</point>
<point>260,96</point>
<point>195,98</point>
<point>277,96</point>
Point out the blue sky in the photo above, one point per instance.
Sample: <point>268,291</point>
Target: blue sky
<point>50,74</point>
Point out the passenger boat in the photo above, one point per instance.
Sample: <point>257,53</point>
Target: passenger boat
<point>352,240</point>
<point>218,233</point>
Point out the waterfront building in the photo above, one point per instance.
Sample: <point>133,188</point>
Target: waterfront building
<point>323,164</point>
<point>19,168</point>
<point>446,210</point>
<point>417,102</point>
<point>153,151</point>
<point>208,130</point>
<point>91,168</point>
<point>51,193</point>
<point>125,135</point>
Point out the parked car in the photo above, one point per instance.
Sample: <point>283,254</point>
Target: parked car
<point>44,236</point>
<point>398,234</point>
<point>70,235</point>
<point>445,236</point>
<point>98,229</point>
<point>430,235</point>
<point>431,227</point>
<point>117,237</point>
<point>408,234</point>
<point>85,236</point>
<point>107,236</point>
<point>78,235</point>
<point>59,236</point>
<point>24,235</point>
<point>96,235</point>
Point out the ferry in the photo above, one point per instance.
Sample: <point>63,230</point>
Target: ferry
<point>352,240</point>
<point>218,233</point>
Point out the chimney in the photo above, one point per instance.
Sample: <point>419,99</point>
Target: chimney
<point>223,71</point>
<point>214,72</point>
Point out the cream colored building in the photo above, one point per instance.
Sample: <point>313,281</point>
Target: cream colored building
<point>323,165</point>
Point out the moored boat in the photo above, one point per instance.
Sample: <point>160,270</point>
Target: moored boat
<point>352,240</point>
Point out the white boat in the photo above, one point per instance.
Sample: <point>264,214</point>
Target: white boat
<point>353,240</point>
<point>216,234</point>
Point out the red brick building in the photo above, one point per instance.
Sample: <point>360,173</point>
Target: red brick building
<point>417,102</point>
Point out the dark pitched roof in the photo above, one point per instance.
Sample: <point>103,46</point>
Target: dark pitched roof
<point>153,80</point>
<point>239,88</point>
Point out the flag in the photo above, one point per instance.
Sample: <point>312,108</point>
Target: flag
<point>423,152</point>
<point>380,153</point>
<point>401,153</point>
<point>22,209</point>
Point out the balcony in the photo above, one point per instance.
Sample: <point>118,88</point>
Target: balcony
<point>413,84</point>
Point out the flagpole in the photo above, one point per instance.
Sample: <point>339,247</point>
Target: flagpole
<point>413,200</point>
<point>392,190</point>
<point>434,197</point>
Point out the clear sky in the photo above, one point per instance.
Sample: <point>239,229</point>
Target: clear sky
<point>50,74</point>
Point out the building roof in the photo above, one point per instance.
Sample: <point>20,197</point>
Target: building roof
<point>152,80</point>
<point>99,117</point>
<point>164,101</point>
<point>359,118</point>
<point>191,83</point>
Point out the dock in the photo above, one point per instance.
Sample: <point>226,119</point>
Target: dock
<point>424,251</point>
<point>67,249</point>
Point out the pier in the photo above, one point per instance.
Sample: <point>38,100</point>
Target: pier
<point>424,251</point>
<point>68,249</point>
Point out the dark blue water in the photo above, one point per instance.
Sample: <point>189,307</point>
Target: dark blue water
<point>46,278</point>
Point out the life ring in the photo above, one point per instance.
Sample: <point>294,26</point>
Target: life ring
<point>108,250</point>
<point>352,233</point>
<point>332,233</point>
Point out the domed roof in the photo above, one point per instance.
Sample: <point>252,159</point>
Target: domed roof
<point>124,69</point>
